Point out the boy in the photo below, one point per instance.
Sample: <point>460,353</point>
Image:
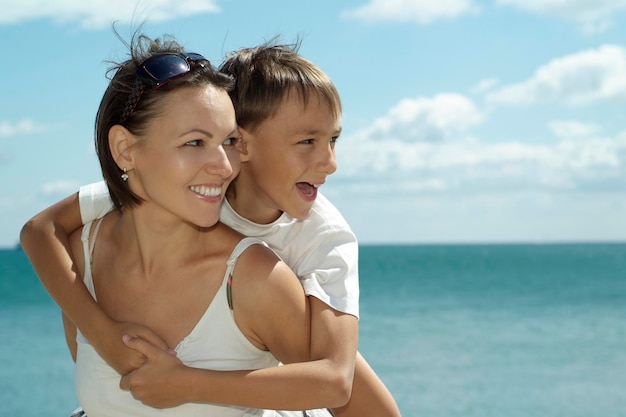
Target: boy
<point>288,111</point>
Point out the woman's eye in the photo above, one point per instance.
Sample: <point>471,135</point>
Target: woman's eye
<point>306,141</point>
<point>231,141</point>
<point>197,142</point>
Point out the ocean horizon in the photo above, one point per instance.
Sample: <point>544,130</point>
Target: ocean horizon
<point>472,330</point>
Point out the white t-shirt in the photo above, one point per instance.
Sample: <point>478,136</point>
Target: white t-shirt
<point>321,249</point>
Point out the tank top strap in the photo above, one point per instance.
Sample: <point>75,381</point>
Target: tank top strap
<point>243,244</point>
<point>88,247</point>
<point>84,238</point>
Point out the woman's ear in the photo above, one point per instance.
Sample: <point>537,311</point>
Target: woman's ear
<point>244,145</point>
<point>120,143</point>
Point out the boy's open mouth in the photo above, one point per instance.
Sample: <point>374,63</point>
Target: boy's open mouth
<point>307,189</point>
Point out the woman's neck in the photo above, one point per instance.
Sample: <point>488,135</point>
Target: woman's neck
<point>156,239</point>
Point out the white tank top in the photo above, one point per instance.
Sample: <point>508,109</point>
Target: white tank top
<point>215,343</point>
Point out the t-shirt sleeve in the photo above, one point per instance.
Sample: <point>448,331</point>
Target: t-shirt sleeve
<point>94,201</point>
<point>330,273</point>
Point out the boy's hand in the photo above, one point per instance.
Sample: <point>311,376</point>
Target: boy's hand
<point>121,357</point>
<point>152,383</point>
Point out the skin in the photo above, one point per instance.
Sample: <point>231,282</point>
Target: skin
<point>293,147</point>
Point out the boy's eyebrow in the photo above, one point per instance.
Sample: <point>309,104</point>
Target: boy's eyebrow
<point>317,131</point>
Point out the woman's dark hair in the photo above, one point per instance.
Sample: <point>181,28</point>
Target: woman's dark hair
<point>113,109</point>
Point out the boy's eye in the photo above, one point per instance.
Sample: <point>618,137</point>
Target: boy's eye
<point>306,141</point>
<point>197,142</point>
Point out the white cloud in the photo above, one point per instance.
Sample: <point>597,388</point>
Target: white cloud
<point>484,85</point>
<point>472,190</point>
<point>425,119</point>
<point>394,148</point>
<point>468,166</point>
<point>23,127</point>
<point>581,78</point>
<point>592,15</point>
<point>572,129</point>
<point>97,14</point>
<point>419,11</point>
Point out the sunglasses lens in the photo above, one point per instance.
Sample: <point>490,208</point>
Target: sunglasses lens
<point>194,56</point>
<point>165,67</point>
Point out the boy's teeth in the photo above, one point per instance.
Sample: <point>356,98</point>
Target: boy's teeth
<point>206,191</point>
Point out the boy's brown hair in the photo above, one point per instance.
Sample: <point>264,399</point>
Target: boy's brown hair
<point>265,74</point>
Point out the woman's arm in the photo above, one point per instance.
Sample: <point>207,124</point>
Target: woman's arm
<point>45,241</point>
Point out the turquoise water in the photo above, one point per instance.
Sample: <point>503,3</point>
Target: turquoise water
<point>473,331</point>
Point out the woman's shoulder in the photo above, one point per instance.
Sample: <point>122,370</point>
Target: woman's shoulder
<point>259,268</point>
<point>261,281</point>
<point>255,260</point>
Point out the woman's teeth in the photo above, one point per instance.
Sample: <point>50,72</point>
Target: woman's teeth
<point>206,191</point>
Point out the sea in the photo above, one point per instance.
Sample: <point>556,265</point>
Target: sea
<point>509,330</point>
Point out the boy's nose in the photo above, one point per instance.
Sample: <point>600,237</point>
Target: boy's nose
<point>328,162</point>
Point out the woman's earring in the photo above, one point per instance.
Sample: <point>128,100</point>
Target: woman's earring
<point>124,176</point>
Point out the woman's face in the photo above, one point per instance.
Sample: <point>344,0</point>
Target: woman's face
<point>188,156</point>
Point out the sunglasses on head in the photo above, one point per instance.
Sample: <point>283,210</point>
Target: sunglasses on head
<point>159,70</point>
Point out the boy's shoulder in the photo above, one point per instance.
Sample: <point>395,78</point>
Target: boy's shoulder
<point>326,213</point>
<point>324,226</point>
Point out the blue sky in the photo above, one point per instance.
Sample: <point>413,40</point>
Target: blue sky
<point>464,120</point>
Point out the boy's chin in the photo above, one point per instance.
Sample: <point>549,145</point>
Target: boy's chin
<point>300,214</point>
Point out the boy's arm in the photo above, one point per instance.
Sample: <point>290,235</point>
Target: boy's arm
<point>331,272</point>
<point>165,382</point>
<point>274,311</point>
<point>70,336</point>
<point>325,381</point>
<point>369,395</point>
<point>45,241</point>
<point>334,337</point>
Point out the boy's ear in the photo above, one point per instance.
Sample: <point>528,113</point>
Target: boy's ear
<point>244,144</point>
<point>120,143</point>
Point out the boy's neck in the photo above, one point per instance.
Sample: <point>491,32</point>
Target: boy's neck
<point>249,206</point>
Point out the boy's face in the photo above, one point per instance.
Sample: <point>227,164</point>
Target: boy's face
<point>288,157</point>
